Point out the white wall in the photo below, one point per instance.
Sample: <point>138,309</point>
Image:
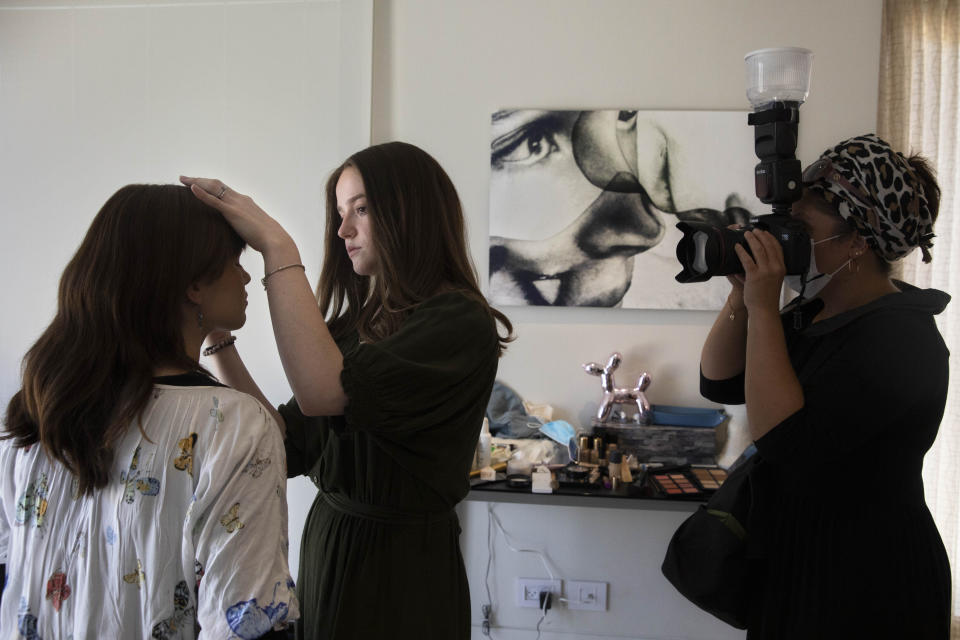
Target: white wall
<point>94,95</point>
<point>442,67</point>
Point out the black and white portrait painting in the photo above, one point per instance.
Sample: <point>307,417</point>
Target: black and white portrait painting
<point>584,204</point>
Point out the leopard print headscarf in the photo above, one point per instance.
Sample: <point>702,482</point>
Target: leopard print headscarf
<point>876,190</point>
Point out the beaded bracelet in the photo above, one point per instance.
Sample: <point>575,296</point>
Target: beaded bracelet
<point>223,344</point>
<point>263,280</point>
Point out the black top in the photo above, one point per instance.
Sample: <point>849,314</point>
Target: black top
<point>380,556</point>
<point>841,537</point>
<point>190,379</point>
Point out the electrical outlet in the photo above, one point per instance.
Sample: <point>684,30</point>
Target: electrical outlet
<point>528,590</point>
<point>587,596</point>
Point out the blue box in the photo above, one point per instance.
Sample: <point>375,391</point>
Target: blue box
<point>664,414</point>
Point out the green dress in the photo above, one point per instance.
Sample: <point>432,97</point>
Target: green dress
<point>380,555</point>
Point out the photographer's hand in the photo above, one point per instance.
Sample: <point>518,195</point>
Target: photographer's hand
<point>763,271</point>
<point>771,388</point>
<point>735,299</point>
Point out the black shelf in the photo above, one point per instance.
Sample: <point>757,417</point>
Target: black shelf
<point>626,497</point>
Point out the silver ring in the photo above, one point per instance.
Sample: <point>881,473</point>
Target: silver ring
<point>223,190</point>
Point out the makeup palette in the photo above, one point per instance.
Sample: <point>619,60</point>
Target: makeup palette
<point>685,481</point>
<point>709,478</point>
<point>675,483</point>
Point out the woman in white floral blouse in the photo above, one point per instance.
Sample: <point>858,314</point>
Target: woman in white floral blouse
<point>139,497</point>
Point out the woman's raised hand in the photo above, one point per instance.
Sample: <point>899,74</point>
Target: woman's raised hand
<point>252,223</point>
<point>763,271</point>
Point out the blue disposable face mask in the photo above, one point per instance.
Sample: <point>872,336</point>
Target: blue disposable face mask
<point>561,432</point>
<point>812,282</point>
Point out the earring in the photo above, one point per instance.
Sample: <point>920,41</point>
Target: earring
<point>200,316</point>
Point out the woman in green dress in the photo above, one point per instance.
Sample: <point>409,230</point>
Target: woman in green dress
<point>391,374</point>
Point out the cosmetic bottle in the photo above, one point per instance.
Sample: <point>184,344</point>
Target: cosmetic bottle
<point>610,447</point>
<point>616,458</point>
<point>583,451</point>
<point>599,452</point>
<point>484,448</point>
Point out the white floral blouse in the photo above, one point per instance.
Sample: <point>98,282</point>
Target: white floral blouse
<point>188,540</point>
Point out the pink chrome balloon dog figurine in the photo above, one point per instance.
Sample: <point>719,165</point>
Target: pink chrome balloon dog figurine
<point>613,395</point>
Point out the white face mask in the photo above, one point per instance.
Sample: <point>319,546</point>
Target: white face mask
<point>815,281</point>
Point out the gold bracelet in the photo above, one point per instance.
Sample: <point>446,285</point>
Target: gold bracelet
<point>263,280</point>
<point>733,313</point>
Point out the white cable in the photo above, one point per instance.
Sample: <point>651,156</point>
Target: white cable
<point>486,579</point>
<point>506,539</point>
<point>543,616</point>
<point>492,519</point>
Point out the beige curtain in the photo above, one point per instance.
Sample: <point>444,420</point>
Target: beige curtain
<point>919,113</point>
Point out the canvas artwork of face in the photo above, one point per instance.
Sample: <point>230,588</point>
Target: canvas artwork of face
<point>584,204</point>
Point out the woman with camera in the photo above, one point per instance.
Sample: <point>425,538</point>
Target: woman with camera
<point>845,389</point>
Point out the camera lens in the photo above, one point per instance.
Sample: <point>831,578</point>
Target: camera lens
<point>706,250</point>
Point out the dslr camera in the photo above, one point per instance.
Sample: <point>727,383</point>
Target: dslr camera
<point>778,81</point>
<point>707,250</point>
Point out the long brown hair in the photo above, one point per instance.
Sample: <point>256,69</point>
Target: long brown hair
<point>419,235</point>
<point>119,315</point>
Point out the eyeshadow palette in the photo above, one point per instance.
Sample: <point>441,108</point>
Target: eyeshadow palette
<point>683,481</point>
<point>676,484</point>
<point>709,478</point>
